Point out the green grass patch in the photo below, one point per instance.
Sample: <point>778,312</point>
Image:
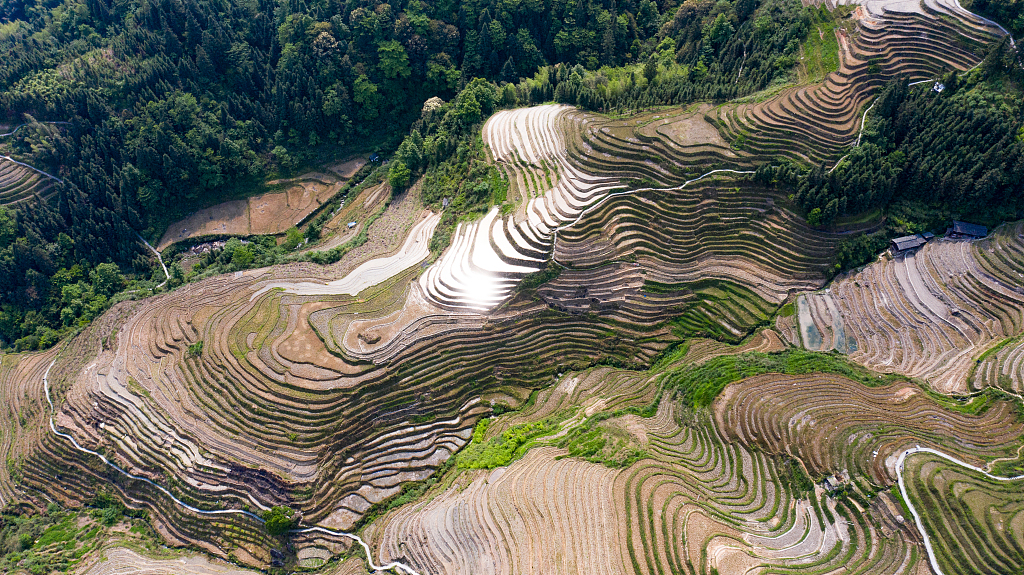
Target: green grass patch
<point>503,449</point>
<point>820,50</point>
<point>997,348</point>
<point>700,384</point>
<point>533,281</point>
<point>609,446</point>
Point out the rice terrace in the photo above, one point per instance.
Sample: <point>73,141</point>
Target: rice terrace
<point>696,288</point>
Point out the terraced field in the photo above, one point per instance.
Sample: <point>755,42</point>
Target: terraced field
<point>917,40</point>
<point>831,424</point>
<point>976,524</point>
<point>19,183</point>
<point>711,492</point>
<point>929,314</point>
<point>124,561</point>
<point>331,390</point>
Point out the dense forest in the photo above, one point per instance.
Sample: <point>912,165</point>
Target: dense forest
<point>1008,13</point>
<point>170,105</point>
<point>962,149</point>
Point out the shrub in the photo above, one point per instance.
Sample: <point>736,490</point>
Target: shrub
<point>293,237</point>
<point>278,520</point>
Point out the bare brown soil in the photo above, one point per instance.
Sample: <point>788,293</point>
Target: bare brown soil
<point>347,168</point>
<point>303,346</point>
<point>270,213</point>
<point>124,561</point>
<point>689,129</point>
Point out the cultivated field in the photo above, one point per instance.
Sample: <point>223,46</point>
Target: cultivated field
<point>929,314</point>
<point>124,561</point>
<point>19,184</point>
<point>976,524</point>
<point>329,389</point>
<point>710,492</point>
<point>270,213</point>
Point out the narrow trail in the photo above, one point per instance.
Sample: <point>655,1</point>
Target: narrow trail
<point>15,130</point>
<point>913,511</point>
<point>863,121</point>
<point>400,568</point>
<point>863,118</point>
<point>394,565</point>
<point>167,276</point>
<point>47,174</point>
<point>987,21</point>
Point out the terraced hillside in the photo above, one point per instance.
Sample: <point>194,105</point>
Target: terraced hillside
<point>917,40</point>
<point>19,183</point>
<point>928,314</point>
<point>976,523</point>
<point>710,492</point>
<point>330,393</point>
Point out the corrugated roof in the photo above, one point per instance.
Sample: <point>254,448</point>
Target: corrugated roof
<point>908,242</point>
<point>969,229</point>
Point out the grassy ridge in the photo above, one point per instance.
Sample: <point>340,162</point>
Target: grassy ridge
<point>699,385</point>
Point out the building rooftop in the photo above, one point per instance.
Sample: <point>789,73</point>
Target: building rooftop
<point>966,229</point>
<point>908,242</point>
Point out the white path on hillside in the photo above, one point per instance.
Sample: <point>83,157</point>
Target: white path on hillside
<point>24,165</point>
<point>395,566</point>
<point>167,276</point>
<point>913,511</point>
<point>15,130</point>
<point>415,249</point>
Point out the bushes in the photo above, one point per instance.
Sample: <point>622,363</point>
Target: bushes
<point>278,520</point>
<point>859,250</point>
<point>501,450</point>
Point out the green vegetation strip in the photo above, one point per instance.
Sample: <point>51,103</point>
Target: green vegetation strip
<point>505,448</point>
<point>701,384</point>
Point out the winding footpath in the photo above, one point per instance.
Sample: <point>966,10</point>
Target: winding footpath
<point>400,568</point>
<point>913,511</point>
<point>15,131</point>
<point>47,174</point>
<point>167,276</point>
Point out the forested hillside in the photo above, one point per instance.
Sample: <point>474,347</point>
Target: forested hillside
<point>1009,13</point>
<point>961,149</point>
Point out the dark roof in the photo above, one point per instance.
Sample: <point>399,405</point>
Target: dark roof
<point>967,229</point>
<point>908,242</point>
<point>927,235</point>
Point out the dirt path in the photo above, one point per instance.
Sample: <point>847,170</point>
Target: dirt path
<point>15,130</point>
<point>167,275</point>
<point>48,175</point>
